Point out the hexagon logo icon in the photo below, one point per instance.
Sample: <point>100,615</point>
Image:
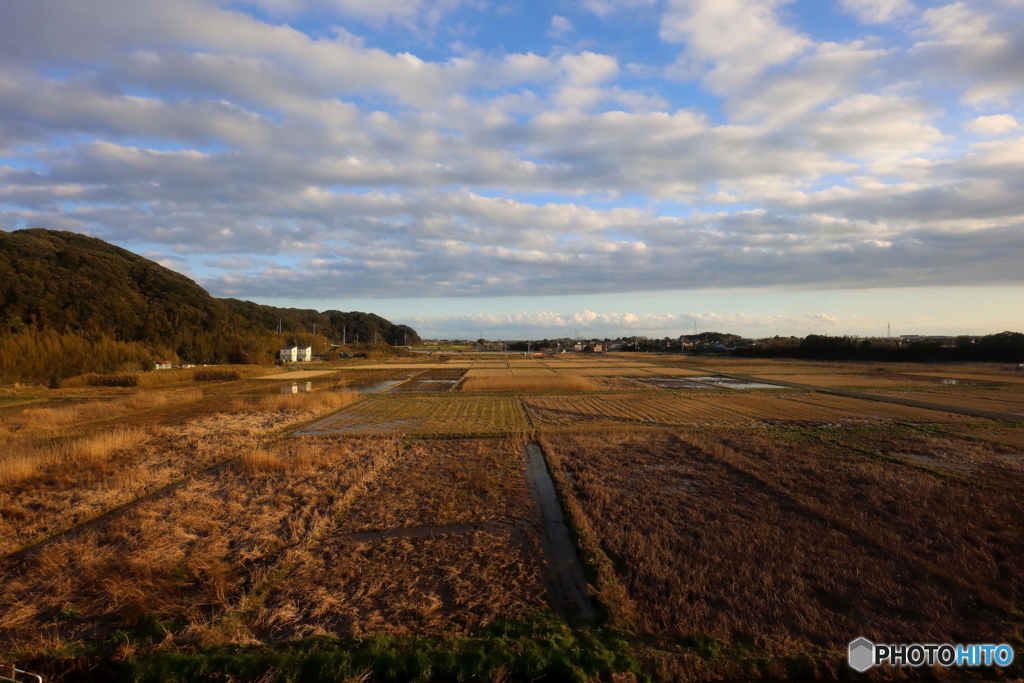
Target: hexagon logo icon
<point>861,655</point>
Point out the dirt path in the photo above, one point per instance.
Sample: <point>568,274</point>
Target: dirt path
<point>564,579</point>
<point>884,399</point>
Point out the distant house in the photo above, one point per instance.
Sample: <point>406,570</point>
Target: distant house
<point>295,353</point>
<point>593,348</point>
<point>163,365</point>
<point>1020,367</point>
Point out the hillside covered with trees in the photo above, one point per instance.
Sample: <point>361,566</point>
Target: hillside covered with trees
<point>71,304</point>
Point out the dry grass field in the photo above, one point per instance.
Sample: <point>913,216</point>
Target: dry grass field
<point>527,382</point>
<point>192,556</point>
<point>425,415</point>
<point>1008,399</point>
<point>428,549</point>
<point>1009,436</point>
<point>970,457</point>
<point>164,529</point>
<point>432,585</point>
<point>53,482</point>
<point>726,408</point>
<point>786,544</point>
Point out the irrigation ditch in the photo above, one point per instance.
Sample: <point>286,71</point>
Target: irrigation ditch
<point>564,579</point>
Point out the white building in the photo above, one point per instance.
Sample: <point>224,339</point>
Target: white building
<point>163,365</point>
<point>295,353</point>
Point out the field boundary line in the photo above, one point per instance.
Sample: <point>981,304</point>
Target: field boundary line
<point>849,393</point>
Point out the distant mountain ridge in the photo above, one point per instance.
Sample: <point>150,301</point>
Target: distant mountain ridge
<point>73,284</point>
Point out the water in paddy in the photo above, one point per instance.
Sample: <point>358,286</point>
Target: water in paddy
<point>297,388</point>
<point>376,386</point>
<point>730,383</point>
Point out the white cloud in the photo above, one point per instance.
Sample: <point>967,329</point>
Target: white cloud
<point>310,164</point>
<point>992,125</point>
<point>738,39</point>
<point>976,49</point>
<point>587,68</point>
<point>588,323</point>
<point>603,8</point>
<point>560,26</point>
<point>877,11</point>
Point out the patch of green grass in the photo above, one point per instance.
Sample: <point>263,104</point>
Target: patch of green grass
<point>525,650</point>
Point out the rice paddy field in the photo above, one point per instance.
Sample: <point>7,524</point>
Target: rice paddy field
<point>633,517</point>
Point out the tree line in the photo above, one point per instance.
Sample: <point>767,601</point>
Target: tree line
<point>1004,347</point>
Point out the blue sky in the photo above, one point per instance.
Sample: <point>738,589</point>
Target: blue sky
<point>539,168</point>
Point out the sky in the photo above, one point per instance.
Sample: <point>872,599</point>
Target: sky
<point>539,169</point>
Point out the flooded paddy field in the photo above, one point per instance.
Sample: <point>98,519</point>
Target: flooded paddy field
<point>703,382</point>
<point>431,381</point>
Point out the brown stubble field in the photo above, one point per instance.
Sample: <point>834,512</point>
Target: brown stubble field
<point>788,544</point>
<point>68,464</point>
<point>769,522</point>
<point>441,544</point>
<point>194,555</point>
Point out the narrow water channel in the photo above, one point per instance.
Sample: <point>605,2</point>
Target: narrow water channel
<point>564,579</point>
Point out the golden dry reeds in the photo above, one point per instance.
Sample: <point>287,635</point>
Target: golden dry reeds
<point>156,378</point>
<point>216,375</point>
<point>61,415</point>
<point>195,553</point>
<point>528,383</point>
<point>296,455</point>
<point>318,401</point>
<point>23,460</point>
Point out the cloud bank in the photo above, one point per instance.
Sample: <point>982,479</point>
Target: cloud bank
<point>297,148</point>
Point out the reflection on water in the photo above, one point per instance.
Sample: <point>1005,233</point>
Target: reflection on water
<point>953,381</point>
<point>377,386</point>
<point>731,383</point>
<point>297,388</point>
<point>713,382</point>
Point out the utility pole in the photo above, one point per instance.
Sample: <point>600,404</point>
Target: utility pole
<point>343,330</point>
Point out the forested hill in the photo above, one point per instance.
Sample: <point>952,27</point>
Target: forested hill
<point>353,327</point>
<point>71,285</point>
<point>68,282</point>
